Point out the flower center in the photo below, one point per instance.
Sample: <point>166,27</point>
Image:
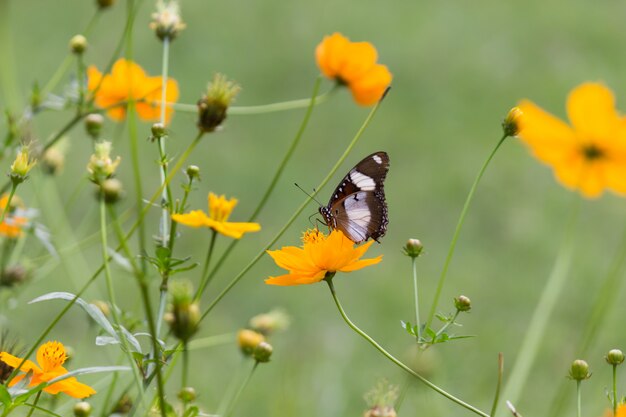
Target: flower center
<point>592,152</point>
<point>52,355</point>
<point>313,236</point>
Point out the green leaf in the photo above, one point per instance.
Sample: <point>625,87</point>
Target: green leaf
<point>192,411</point>
<point>5,397</point>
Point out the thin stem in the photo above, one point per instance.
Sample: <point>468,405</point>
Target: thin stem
<point>242,387</point>
<point>541,316</point>
<point>614,390</point>
<point>185,366</point>
<point>299,210</point>
<point>578,395</point>
<point>417,303</point>
<point>7,207</point>
<point>166,196</point>
<point>447,324</point>
<point>80,79</point>
<point>496,397</point>
<point>30,413</point>
<point>263,108</point>
<point>393,359</point>
<point>205,270</point>
<point>457,231</point>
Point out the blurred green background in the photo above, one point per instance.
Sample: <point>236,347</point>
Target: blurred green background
<point>458,67</point>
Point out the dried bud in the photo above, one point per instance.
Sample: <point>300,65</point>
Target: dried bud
<point>193,172</point>
<point>615,357</point>
<point>166,22</point>
<point>78,44</point>
<point>101,166</point>
<point>262,352</point>
<point>124,404</point>
<point>413,248</point>
<point>185,314</point>
<point>53,161</point>
<point>579,370</point>
<point>21,166</point>
<point>510,125</point>
<point>213,106</point>
<point>248,340</point>
<point>380,400</point>
<point>187,394</point>
<point>13,275</point>
<point>112,191</point>
<point>103,4</point>
<point>378,411</point>
<point>82,409</point>
<point>462,303</point>
<point>271,322</point>
<point>93,125</point>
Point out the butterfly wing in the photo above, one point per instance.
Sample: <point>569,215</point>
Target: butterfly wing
<point>358,207</point>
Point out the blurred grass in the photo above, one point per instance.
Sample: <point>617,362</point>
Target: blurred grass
<point>458,67</point>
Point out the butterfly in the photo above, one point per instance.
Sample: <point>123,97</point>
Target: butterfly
<point>357,207</point>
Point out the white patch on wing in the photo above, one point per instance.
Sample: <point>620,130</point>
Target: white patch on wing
<point>362,181</point>
<point>377,159</point>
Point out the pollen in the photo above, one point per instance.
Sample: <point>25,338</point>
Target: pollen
<point>313,236</point>
<point>592,152</point>
<point>52,356</point>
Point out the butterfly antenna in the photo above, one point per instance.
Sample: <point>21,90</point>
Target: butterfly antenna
<point>309,195</point>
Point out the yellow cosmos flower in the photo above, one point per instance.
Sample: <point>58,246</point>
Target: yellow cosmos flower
<point>128,81</point>
<point>12,224</point>
<point>319,256</point>
<point>353,64</point>
<point>50,358</point>
<point>588,156</point>
<point>219,212</point>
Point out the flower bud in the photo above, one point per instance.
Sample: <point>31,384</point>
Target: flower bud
<point>187,394</point>
<point>166,21</point>
<point>213,106</point>
<point>103,306</point>
<point>82,409</point>
<point>193,172</point>
<point>381,399</point>
<point>462,303</point>
<point>579,370</point>
<point>21,166</point>
<point>101,166</point>
<point>78,44</point>
<point>262,352</point>
<point>271,322</point>
<point>510,125</point>
<point>377,411</point>
<point>103,4</point>
<point>614,357</point>
<point>413,248</point>
<point>248,340</point>
<point>13,275</point>
<point>53,161</point>
<point>93,125</point>
<point>185,314</point>
<point>158,131</point>
<point>123,405</point>
<point>111,190</point>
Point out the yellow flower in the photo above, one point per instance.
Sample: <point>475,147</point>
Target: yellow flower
<point>50,358</point>
<point>12,225</point>
<point>128,81</point>
<point>219,211</point>
<point>319,256</point>
<point>22,165</point>
<point>353,64</point>
<point>589,155</point>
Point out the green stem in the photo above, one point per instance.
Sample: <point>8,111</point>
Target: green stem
<point>393,359</point>
<point>7,207</point>
<point>417,303</point>
<point>205,270</point>
<point>242,387</point>
<point>541,316</point>
<point>496,397</point>
<point>455,237</point>
<point>578,395</point>
<point>614,390</point>
<point>263,108</point>
<point>30,413</point>
<point>111,293</point>
<point>109,394</point>
<point>166,196</point>
<point>80,79</point>
<point>299,210</point>
<point>446,325</point>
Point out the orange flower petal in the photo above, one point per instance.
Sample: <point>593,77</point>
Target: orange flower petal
<point>370,87</point>
<point>14,361</point>
<point>296,279</point>
<point>291,258</point>
<point>231,229</point>
<point>195,218</point>
<point>330,54</point>
<point>71,387</point>
<point>353,266</point>
<point>362,58</point>
<point>591,109</point>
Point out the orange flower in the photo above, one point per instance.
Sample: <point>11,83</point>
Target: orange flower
<point>12,224</point>
<point>50,357</point>
<point>128,81</point>
<point>589,155</point>
<point>319,256</point>
<point>353,64</point>
<point>219,211</point>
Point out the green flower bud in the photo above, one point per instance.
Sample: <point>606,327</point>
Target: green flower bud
<point>614,357</point>
<point>184,318</point>
<point>103,4</point>
<point>413,248</point>
<point>13,275</point>
<point>187,394</point>
<point>193,171</point>
<point>462,303</point>
<point>262,352</point>
<point>212,107</point>
<point>111,190</point>
<point>78,44</point>
<point>158,131</point>
<point>248,340</point>
<point>510,125</point>
<point>82,409</point>
<point>579,370</point>
<point>93,125</point>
